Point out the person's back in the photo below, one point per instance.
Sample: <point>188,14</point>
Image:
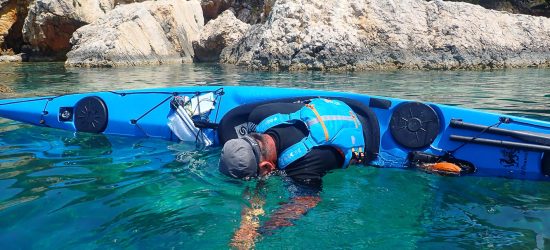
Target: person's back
<point>309,169</point>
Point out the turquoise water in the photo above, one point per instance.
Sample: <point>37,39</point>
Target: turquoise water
<point>60,190</point>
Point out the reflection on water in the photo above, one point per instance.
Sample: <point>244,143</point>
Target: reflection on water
<point>81,190</point>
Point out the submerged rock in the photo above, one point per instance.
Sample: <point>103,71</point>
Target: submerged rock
<point>371,34</point>
<point>140,33</point>
<point>51,23</point>
<point>217,35</point>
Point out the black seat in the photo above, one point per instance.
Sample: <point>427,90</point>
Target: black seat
<point>236,121</point>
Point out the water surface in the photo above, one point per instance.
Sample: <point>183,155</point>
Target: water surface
<point>65,191</point>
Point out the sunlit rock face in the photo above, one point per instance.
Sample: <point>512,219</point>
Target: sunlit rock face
<point>8,17</point>
<point>50,23</point>
<point>217,35</point>
<point>140,33</point>
<point>371,34</point>
<point>12,17</point>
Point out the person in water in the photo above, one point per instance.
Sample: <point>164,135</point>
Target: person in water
<point>302,141</point>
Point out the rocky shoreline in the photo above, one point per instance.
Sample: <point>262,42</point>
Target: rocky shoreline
<point>276,35</point>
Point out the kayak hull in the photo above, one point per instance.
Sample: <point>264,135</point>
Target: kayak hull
<point>144,113</point>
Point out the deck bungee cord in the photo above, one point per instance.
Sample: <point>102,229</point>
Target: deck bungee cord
<point>173,95</point>
<point>451,152</point>
<point>195,124</point>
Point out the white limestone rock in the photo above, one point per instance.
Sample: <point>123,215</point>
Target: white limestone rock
<point>140,33</point>
<point>11,58</point>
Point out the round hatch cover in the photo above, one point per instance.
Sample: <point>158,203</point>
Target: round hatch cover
<point>414,125</point>
<point>90,115</point>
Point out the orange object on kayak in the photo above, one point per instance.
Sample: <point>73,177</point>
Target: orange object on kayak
<point>446,167</point>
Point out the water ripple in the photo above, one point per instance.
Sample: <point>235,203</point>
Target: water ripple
<point>69,190</point>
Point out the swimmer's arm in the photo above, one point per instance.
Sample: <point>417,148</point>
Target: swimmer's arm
<point>289,212</point>
<point>247,233</point>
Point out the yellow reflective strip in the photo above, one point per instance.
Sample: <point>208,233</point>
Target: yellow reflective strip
<point>320,120</point>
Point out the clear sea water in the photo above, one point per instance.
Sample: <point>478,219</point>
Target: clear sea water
<point>60,190</point>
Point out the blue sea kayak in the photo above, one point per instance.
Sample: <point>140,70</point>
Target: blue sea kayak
<point>399,133</point>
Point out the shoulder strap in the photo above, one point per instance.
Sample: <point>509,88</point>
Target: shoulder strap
<point>295,152</point>
<point>276,120</point>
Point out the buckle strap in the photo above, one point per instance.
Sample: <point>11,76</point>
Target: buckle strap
<point>295,152</point>
<point>358,155</point>
<point>276,120</point>
<point>272,121</point>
